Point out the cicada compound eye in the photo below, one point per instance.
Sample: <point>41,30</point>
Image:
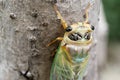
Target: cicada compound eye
<point>92,27</point>
<point>68,29</point>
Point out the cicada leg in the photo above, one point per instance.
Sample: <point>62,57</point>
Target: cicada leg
<point>53,52</point>
<point>63,22</point>
<point>57,39</point>
<point>67,53</point>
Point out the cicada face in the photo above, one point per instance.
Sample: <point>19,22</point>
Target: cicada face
<point>78,34</point>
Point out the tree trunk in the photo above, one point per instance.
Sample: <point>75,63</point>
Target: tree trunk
<point>102,39</point>
<point>27,26</point>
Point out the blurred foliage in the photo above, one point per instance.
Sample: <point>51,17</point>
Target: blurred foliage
<point>112,11</point>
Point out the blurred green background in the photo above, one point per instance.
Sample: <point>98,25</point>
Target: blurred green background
<point>112,12</point>
<point>111,70</point>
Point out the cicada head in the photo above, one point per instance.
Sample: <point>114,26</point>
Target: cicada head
<point>79,33</point>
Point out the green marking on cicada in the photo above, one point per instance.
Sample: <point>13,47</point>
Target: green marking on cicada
<point>72,56</point>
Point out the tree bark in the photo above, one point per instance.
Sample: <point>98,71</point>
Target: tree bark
<point>27,26</point>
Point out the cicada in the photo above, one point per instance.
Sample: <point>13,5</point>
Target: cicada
<point>72,56</point>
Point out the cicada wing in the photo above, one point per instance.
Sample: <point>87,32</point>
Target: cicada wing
<point>83,68</point>
<point>61,69</point>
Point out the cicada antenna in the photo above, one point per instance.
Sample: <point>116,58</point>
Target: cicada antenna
<point>86,13</point>
<point>63,22</point>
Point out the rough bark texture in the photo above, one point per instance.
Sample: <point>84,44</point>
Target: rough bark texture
<point>26,26</point>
